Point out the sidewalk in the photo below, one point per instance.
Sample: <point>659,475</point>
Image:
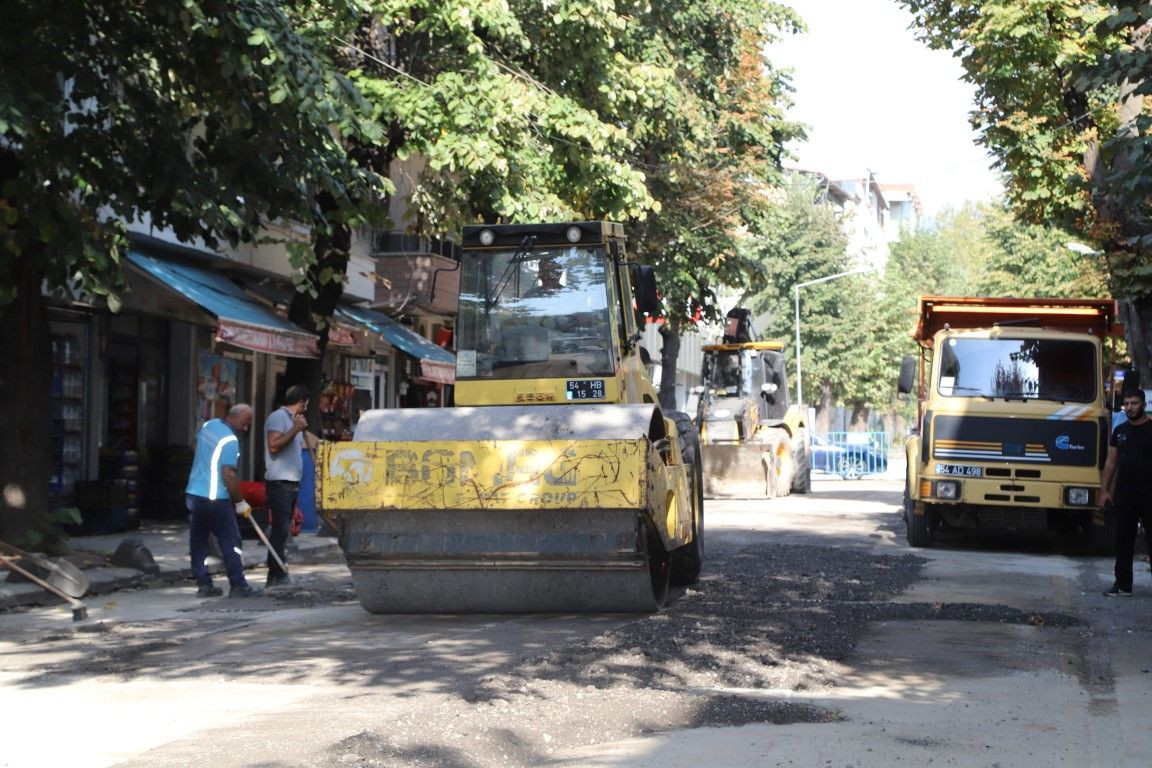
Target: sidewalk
<point>168,543</point>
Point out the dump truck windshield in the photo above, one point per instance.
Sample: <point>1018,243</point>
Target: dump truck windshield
<point>535,314</point>
<point>1026,369</point>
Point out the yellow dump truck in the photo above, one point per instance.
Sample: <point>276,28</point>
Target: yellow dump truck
<point>556,483</point>
<point>754,443</point>
<point>1013,417</point>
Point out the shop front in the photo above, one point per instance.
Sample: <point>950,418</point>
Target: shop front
<point>426,372</point>
<point>130,389</point>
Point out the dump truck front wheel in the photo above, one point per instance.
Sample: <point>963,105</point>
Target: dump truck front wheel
<point>689,559</point>
<point>919,527</point>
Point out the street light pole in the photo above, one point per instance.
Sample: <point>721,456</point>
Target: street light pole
<point>799,389</point>
<point>796,293</point>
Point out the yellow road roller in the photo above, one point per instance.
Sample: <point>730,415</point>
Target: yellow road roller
<point>556,483</point>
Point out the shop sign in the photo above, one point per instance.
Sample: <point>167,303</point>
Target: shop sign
<point>267,340</point>
<point>339,336</point>
<point>441,373</point>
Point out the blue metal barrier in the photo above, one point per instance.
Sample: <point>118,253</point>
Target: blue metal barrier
<point>850,454</point>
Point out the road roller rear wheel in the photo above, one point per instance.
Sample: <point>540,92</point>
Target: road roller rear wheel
<point>688,559</point>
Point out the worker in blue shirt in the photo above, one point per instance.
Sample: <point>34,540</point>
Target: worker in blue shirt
<point>213,500</point>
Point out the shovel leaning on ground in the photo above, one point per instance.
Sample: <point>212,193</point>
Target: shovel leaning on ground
<point>79,610</point>
<point>263,538</point>
<point>63,576</point>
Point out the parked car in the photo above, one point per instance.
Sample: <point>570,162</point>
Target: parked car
<point>850,455</point>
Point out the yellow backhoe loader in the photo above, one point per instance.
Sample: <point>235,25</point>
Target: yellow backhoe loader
<point>754,443</point>
<point>557,483</point>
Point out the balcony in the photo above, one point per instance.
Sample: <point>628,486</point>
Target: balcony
<point>415,272</point>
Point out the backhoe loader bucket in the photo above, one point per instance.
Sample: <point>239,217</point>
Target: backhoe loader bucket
<point>739,470</point>
<point>505,509</point>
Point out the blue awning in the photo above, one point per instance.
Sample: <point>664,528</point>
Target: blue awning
<point>240,320</point>
<point>436,363</point>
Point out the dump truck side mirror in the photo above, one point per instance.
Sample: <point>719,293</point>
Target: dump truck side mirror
<point>907,378</point>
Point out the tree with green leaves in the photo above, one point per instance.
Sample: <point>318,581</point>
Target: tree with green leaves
<point>978,250</point>
<point>666,116</point>
<point>509,112</point>
<point>712,149</point>
<point>1060,90</point>
<point>807,242</point>
<point>205,118</point>
<point>855,330</point>
<point>1031,260</point>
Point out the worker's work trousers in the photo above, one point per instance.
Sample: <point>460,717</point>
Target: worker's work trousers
<point>1131,509</point>
<point>281,501</point>
<point>217,518</point>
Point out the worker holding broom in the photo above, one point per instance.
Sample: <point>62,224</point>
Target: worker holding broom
<point>213,500</point>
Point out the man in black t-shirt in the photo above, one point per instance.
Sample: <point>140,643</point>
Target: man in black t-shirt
<point>1130,463</point>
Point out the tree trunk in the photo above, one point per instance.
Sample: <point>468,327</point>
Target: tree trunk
<point>25,418</point>
<point>1136,315</point>
<point>331,252</point>
<point>824,408</point>
<point>669,356</point>
<point>859,419</point>
<point>1122,221</point>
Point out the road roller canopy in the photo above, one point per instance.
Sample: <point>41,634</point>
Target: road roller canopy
<point>535,304</point>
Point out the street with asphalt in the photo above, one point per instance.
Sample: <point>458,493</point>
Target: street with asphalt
<point>816,636</point>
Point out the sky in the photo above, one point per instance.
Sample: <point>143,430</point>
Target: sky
<point>875,99</point>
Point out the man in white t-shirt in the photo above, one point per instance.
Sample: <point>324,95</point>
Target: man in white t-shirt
<point>283,467</point>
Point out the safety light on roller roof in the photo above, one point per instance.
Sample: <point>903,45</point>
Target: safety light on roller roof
<point>487,237</point>
<point>573,234</point>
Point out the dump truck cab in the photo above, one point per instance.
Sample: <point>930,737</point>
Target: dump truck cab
<point>1013,418</point>
<point>556,483</point>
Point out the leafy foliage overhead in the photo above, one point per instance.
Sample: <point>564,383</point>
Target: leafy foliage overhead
<point>1060,104</point>
<point>666,115</point>
<point>208,118</point>
<point>715,147</point>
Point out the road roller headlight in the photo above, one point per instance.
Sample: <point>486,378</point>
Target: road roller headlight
<point>947,489</point>
<point>721,413</point>
<point>573,234</point>
<point>1077,497</point>
<point>487,237</point>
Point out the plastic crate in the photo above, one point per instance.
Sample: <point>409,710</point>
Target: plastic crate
<point>95,495</point>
